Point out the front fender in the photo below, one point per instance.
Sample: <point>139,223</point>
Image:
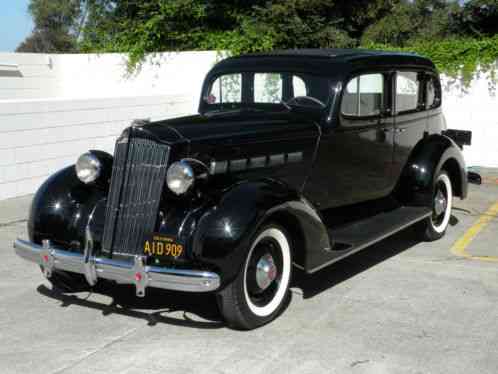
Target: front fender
<point>429,156</point>
<point>62,209</point>
<point>225,230</point>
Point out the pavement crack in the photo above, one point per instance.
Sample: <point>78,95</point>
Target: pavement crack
<point>355,363</point>
<point>90,354</point>
<point>11,223</point>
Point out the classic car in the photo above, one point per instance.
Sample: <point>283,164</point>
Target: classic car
<point>296,159</point>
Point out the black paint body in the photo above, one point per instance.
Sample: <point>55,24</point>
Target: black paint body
<point>315,168</point>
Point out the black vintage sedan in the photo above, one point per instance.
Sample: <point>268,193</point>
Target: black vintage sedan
<point>296,159</point>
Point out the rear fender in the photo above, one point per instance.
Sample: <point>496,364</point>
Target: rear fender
<point>429,156</point>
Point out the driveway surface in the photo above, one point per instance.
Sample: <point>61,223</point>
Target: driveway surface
<point>400,306</point>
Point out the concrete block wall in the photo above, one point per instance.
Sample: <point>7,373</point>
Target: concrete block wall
<point>39,137</point>
<point>64,105</point>
<point>39,77</point>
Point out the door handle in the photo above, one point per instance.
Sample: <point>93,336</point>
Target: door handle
<point>398,130</point>
<point>387,129</point>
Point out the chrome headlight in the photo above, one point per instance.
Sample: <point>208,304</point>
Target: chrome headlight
<point>88,168</point>
<point>180,177</point>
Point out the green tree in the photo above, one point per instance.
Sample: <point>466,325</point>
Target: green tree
<point>237,25</point>
<point>412,20</point>
<point>427,26</point>
<point>57,26</point>
<point>477,18</point>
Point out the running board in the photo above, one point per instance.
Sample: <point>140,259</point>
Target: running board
<point>356,236</point>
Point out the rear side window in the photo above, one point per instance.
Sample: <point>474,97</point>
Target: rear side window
<point>407,91</point>
<point>364,96</point>
<point>432,93</point>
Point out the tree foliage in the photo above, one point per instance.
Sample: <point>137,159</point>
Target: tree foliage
<point>477,18</point>
<point>455,34</point>
<point>57,24</point>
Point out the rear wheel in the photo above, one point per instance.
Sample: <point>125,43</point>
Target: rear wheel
<point>260,291</point>
<point>434,227</point>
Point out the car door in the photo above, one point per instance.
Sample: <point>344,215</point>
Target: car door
<point>354,160</point>
<point>410,115</point>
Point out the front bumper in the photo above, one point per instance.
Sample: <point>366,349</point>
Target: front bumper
<point>136,272</point>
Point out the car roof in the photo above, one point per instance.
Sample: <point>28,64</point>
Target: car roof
<point>322,60</point>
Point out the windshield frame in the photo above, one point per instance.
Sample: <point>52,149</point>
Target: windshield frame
<point>247,94</point>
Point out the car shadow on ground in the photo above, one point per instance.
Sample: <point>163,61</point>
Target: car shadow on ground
<point>314,284</point>
<point>201,311</point>
<point>190,310</point>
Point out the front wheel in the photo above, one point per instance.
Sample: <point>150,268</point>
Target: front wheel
<point>260,291</point>
<point>434,227</point>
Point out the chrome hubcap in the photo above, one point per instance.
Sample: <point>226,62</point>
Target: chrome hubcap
<point>266,271</point>
<point>440,203</point>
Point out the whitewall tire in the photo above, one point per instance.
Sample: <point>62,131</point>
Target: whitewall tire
<point>261,289</point>
<point>434,227</point>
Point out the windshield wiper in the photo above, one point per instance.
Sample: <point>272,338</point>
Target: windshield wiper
<point>287,106</point>
<point>230,111</point>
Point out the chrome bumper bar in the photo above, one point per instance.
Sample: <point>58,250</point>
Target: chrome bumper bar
<point>136,272</point>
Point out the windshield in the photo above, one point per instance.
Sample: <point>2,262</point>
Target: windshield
<point>267,90</point>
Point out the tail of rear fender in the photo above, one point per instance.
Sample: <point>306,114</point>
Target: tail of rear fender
<point>432,154</point>
<point>224,232</point>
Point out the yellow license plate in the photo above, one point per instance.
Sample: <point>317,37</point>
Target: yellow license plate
<point>161,245</point>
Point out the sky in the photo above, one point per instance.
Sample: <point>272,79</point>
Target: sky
<point>15,23</point>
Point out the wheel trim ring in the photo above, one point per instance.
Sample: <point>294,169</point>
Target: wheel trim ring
<point>274,303</point>
<point>439,228</point>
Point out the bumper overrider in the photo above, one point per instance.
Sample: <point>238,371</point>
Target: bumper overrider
<point>136,272</point>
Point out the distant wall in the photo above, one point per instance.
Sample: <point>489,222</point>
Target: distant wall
<point>474,108</point>
<point>63,105</point>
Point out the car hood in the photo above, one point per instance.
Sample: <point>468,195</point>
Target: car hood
<point>229,127</point>
<point>242,146</point>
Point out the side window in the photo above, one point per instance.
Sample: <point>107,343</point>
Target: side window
<point>432,93</point>
<point>364,96</point>
<point>267,88</point>
<point>226,89</point>
<point>299,87</point>
<point>407,91</point>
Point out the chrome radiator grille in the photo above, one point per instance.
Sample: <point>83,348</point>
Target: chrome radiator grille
<point>138,175</point>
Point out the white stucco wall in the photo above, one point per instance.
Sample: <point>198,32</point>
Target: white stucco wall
<point>474,108</point>
<point>62,105</point>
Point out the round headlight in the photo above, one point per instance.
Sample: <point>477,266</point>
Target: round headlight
<point>88,168</point>
<point>180,177</point>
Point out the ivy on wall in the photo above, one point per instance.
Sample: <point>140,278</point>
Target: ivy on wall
<point>457,58</point>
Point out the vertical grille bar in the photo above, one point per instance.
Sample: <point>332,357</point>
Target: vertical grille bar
<point>138,176</point>
<point>120,154</point>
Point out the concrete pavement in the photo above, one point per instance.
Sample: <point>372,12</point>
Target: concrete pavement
<point>398,307</point>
